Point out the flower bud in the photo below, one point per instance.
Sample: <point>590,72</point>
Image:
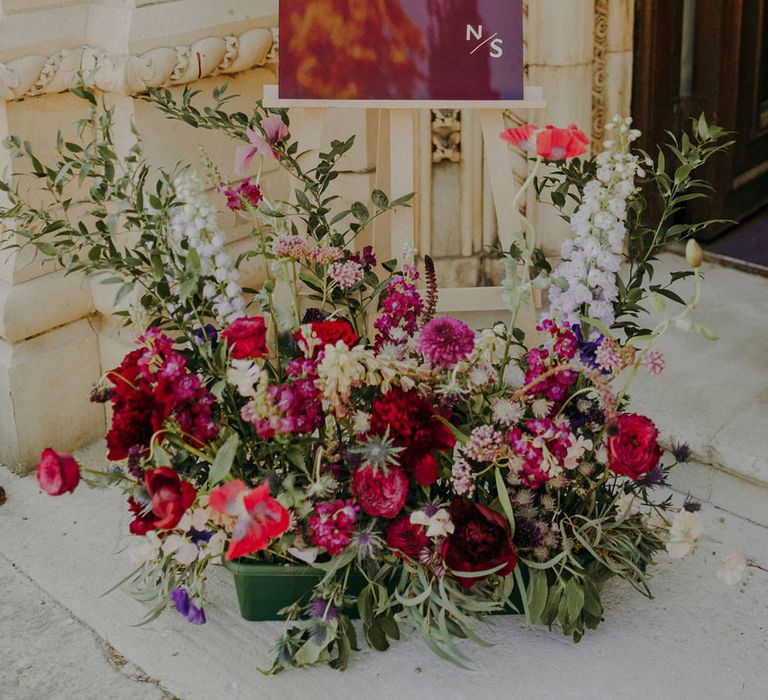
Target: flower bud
<point>694,253</point>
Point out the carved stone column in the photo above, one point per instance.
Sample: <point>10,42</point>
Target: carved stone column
<point>56,334</point>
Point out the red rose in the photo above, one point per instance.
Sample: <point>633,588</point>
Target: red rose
<point>57,472</point>
<point>405,537</point>
<point>247,337</point>
<point>481,540</point>
<point>330,333</point>
<point>412,423</point>
<point>559,144</point>
<point>169,497</point>
<point>634,449</point>
<point>379,493</point>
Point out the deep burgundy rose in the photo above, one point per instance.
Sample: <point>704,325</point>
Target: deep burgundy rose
<point>634,449</point>
<point>407,538</point>
<point>136,416</point>
<point>380,494</point>
<point>169,497</point>
<point>247,337</point>
<point>57,472</point>
<point>481,541</point>
<point>413,423</point>
<point>330,333</point>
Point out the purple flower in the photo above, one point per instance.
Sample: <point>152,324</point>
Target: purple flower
<point>207,332</point>
<point>320,608</point>
<point>653,477</point>
<point>446,341</point>
<point>186,607</point>
<point>246,192</point>
<point>198,536</point>
<point>587,349</point>
<point>682,452</point>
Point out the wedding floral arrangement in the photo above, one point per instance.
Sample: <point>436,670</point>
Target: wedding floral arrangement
<point>432,474</point>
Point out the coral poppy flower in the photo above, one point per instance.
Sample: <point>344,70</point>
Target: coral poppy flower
<point>559,144</point>
<point>550,142</point>
<point>521,137</point>
<point>259,516</point>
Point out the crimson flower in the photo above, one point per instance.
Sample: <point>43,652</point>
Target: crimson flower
<point>634,449</point>
<point>480,541</point>
<point>407,538</point>
<point>379,493</point>
<point>330,333</point>
<point>57,472</point>
<point>414,424</point>
<point>259,516</point>
<point>247,337</point>
<point>169,497</point>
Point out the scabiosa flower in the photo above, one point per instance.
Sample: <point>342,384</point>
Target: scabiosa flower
<point>506,412</point>
<point>346,274</point>
<point>333,525</point>
<point>446,341</point>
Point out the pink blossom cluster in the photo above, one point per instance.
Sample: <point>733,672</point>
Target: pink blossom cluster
<point>333,525</point>
<point>247,191</point>
<point>654,362</point>
<point>555,387</point>
<point>324,256</point>
<point>401,308</point>
<point>608,355</point>
<point>485,444</point>
<point>293,247</point>
<point>180,390</point>
<point>462,478</point>
<point>346,274</point>
<point>541,439</point>
<point>292,408</point>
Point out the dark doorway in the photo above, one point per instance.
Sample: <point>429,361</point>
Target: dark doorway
<point>708,56</point>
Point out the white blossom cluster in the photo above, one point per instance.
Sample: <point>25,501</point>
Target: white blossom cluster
<point>592,259</point>
<point>196,222</point>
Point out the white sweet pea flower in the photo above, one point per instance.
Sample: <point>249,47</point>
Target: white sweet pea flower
<point>684,532</point>
<point>244,375</point>
<point>183,551</point>
<point>144,549</point>
<point>576,452</point>
<point>732,569</point>
<point>438,525</point>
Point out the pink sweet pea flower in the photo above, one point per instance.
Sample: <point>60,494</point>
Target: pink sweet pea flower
<point>259,516</point>
<point>273,130</point>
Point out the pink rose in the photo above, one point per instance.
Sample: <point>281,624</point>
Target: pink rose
<point>633,450</point>
<point>57,472</point>
<point>379,493</point>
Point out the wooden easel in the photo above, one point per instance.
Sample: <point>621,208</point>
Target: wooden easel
<point>396,175</point>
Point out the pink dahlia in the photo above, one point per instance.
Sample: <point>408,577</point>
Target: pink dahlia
<point>446,341</point>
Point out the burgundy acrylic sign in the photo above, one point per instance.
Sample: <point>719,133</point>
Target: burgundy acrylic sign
<point>401,49</point>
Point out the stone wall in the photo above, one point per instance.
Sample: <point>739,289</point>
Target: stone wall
<point>57,333</point>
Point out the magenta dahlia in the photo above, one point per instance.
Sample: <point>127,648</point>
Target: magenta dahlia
<point>446,341</point>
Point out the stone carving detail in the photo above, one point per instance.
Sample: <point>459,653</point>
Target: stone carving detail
<point>131,74</point>
<point>599,74</point>
<point>446,135</point>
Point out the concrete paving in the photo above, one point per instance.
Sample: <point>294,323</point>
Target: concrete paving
<point>697,639</point>
<point>714,395</point>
